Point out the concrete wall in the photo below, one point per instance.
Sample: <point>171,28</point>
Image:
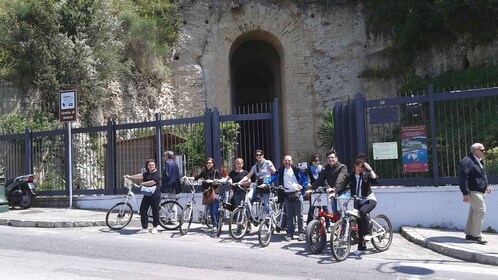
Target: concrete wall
<point>415,206</point>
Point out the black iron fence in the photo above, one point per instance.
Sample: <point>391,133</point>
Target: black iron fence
<point>448,122</point>
<point>101,155</point>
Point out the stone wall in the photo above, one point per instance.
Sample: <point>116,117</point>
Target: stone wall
<point>323,50</point>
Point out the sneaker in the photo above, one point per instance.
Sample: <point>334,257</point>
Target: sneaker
<point>249,229</point>
<point>367,237</point>
<point>154,230</point>
<point>288,238</point>
<point>301,237</point>
<point>359,252</point>
<point>143,231</point>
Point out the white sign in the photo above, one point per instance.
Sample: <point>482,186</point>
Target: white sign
<point>385,150</point>
<point>67,108</point>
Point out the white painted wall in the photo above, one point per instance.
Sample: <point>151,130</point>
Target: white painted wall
<point>414,206</point>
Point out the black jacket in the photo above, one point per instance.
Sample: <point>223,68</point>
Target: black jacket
<point>335,176</point>
<point>350,183</point>
<point>472,176</point>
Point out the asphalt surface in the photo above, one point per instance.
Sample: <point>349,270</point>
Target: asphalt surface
<point>447,242</point>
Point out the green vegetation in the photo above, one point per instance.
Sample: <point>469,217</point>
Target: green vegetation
<point>326,130</point>
<point>17,123</point>
<point>51,45</point>
<point>194,147</point>
<point>416,25</point>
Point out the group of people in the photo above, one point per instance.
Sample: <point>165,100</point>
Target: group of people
<point>296,182</point>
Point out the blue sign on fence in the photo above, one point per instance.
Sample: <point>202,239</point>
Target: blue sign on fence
<point>383,115</point>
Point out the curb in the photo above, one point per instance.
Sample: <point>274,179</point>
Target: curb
<point>45,224</point>
<point>447,249</point>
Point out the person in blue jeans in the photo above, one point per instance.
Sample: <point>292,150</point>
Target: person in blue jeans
<point>210,172</point>
<point>262,169</point>
<point>294,182</point>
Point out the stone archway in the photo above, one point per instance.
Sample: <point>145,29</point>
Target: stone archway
<point>255,73</point>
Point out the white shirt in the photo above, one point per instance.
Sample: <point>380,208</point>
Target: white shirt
<point>290,181</point>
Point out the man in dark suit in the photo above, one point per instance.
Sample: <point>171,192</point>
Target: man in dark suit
<point>474,184</point>
<point>334,173</point>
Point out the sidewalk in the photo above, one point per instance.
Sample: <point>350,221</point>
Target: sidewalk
<point>52,218</point>
<point>452,243</point>
<point>444,241</point>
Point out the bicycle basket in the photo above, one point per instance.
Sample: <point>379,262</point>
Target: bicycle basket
<point>319,199</point>
<point>127,183</point>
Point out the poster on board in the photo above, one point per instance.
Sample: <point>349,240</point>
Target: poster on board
<point>414,148</point>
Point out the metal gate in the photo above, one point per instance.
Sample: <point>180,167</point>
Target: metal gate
<point>453,121</point>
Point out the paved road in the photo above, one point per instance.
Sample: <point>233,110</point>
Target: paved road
<point>98,253</point>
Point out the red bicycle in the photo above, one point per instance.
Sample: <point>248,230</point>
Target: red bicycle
<point>316,231</point>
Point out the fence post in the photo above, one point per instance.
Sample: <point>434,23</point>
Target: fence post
<point>216,129</point>
<point>338,129</point>
<point>159,142</point>
<point>28,152</point>
<point>208,139</point>
<point>111,157</point>
<point>68,141</point>
<point>276,133</point>
<point>433,136</point>
<point>360,123</point>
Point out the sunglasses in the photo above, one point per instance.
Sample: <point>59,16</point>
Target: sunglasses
<point>482,150</point>
<point>258,155</point>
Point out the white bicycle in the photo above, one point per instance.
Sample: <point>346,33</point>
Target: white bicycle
<point>120,215</point>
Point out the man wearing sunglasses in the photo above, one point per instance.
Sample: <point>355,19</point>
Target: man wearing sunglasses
<point>474,184</point>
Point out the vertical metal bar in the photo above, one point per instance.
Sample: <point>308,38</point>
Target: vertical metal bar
<point>159,142</point>
<point>215,117</point>
<point>111,157</point>
<point>276,133</point>
<point>69,162</point>
<point>208,133</point>
<point>360,123</point>
<point>433,136</point>
<point>338,128</point>
<point>28,152</point>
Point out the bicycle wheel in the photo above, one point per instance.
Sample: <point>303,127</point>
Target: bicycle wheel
<point>119,216</point>
<point>384,240</point>
<point>186,220</point>
<point>238,223</point>
<point>340,241</point>
<point>170,215</point>
<point>316,237</point>
<point>265,232</point>
<point>221,214</point>
<point>207,217</point>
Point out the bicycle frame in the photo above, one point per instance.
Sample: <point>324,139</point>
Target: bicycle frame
<point>194,187</point>
<point>248,208</point>
<point>129,184</point>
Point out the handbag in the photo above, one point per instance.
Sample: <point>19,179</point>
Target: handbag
<point>147,191</point>
<point>208,196</point>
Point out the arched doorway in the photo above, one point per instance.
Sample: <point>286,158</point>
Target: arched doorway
<point>255,73</point>
<point>255,83</point>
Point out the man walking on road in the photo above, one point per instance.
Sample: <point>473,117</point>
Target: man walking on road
<point>474,184</point>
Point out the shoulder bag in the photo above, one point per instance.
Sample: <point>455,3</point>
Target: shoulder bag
<point>147,191</point>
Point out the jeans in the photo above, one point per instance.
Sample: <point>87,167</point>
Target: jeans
<point>294,208</point>
<point>364,222</point>
<point>265,198</point>
<point>213,208</point>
